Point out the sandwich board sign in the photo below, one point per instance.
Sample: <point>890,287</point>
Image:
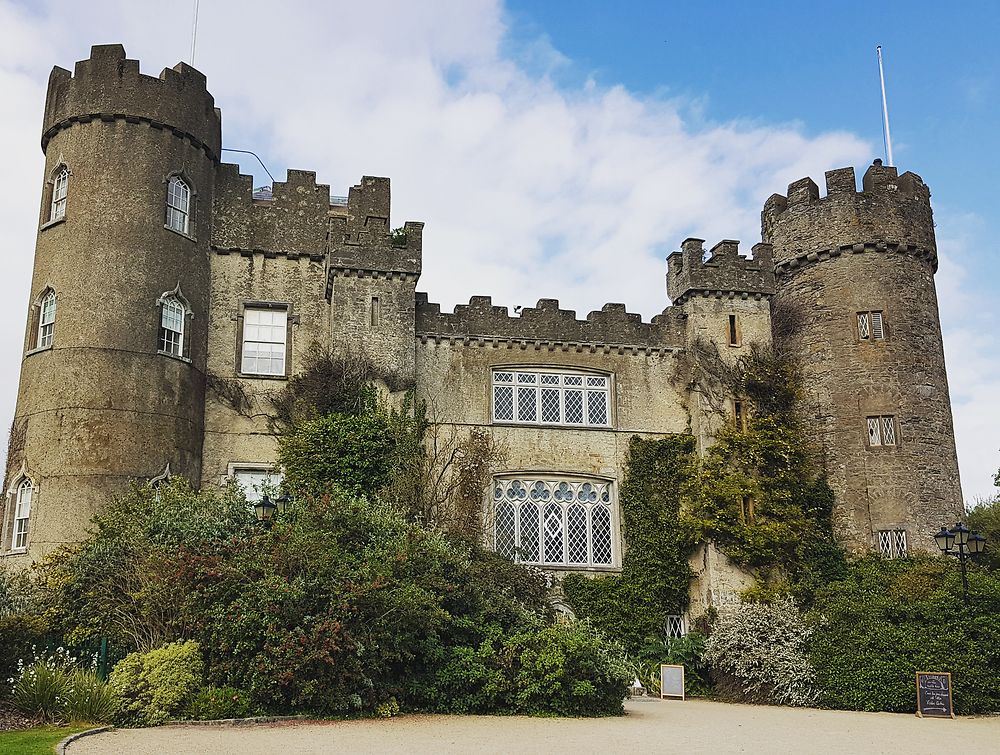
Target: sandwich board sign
<point>934,694</point>
<point>671,681</point>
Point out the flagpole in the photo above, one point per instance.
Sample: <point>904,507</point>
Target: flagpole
<point>194,31</point>
<point>887,138</point>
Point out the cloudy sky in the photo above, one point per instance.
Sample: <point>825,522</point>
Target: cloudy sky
<point>563,149</point>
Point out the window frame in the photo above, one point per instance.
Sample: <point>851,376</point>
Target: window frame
<point>166,299</point>
<point>186,211</point>
<point>45,338</point>
<point>253,467</point>
<point>886,426</point>
<point>514,546</point>
<point>734,334</point>
<point>561,386</point>
<point>59,195</point>
<point>241,338</point>
<point>892,542</point>
<point>17,501</point>
<point>870,326</point>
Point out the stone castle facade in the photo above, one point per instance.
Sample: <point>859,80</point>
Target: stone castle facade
<point>161,275</point>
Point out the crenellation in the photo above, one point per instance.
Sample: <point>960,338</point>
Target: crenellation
<point>725,270</point>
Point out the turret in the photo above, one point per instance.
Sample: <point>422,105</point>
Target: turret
<point>113,374</point>
<point>725,300</point>
<point>855,300</point>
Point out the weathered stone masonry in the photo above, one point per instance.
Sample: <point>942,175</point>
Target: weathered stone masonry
<point>102,405</point>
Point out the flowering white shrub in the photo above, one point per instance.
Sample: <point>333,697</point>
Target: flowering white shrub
<point>764,647</point>
<point>54,687</point>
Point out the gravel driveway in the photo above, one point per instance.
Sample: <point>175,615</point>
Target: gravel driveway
<point>692,726</point>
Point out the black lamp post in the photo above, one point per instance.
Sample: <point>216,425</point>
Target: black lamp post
<point>960,542</point>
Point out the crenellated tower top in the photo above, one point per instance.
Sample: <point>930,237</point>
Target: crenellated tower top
<point>891,212</point>
<point>725,273</point>
<point>108,86</point>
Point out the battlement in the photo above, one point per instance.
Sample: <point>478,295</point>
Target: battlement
<point>889,208</point>
<point>108,86</point>
<point>363,238</point>
<point>725,272</point>
<point>546,322</point>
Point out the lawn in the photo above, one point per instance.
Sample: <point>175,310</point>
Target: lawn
<point>38,741</point>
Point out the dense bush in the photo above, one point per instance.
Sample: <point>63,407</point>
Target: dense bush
<point>53,687</point>
<point>89,698</point>
<point>760,652</point>
<point>212,703</point>
<point>891,618</point>
<point>153,687</point>
<point>687,651</point>
<point>985,519</point>
<point>653,583</point>
<point>40,690</point>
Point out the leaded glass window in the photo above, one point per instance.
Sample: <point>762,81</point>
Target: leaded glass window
<point>870,326</point>
<point>551,398</point>
<point>553,522</point>
<point>178,205</point>
<point>892,543</point>
<point>881,431</point>
<point>675,626</point>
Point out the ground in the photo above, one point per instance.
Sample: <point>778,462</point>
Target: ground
<point>692,726</point>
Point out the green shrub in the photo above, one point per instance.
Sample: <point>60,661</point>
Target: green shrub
<point>89,698</point>
<point>762,649</point>
<point>891,618</point>
<point>40,690</point>
<point>687,651</point>
<point>156,686</point>
<point>19,634</point>
<point>212,703</point>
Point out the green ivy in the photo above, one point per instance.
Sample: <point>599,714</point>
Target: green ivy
<point>633,606</point>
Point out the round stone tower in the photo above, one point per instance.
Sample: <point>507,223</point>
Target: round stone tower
<point>855,301</point>
<point>103,397</point>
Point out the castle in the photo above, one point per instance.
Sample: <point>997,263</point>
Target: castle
<point>160,274</point>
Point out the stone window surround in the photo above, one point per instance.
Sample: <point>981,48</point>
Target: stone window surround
<point>893,536</point>
<point>34,316</point>
<point>734,327</point>
<point>192,215</point>
<point>10,511</point>
<point>896,429</point>
<point>48,221</point>
<point>560,476</point>
<point>870,338</point>
<point>235,467</point>
<point>178,295</point>
<point>291,319</point>
<point>562,369</point>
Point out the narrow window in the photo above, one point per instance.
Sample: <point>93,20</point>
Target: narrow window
<point>738,415</point>
<point>22,515</point>
<point>178,205</point>
<point>892,543</point>
<point>881,430</point>
<point>864,326</point>
<point>264,336</point>
<point>870,326</point>
<point>46,320</point>
<point>878,333</point>
<point>733,334</point>
<point>60,188</point>
<point>375,312</point>
<point>747,508</point>
<point>172,314</point>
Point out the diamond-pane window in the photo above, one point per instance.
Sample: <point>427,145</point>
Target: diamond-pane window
<point>864,326</point>
<point>881,431</point>
<point>874,431</point>
<point>675,626</point>
<point>892,543</point>
<point>871,326</point>
<point>888,431</point>
<point>554,522</point>
<point>551,398</point>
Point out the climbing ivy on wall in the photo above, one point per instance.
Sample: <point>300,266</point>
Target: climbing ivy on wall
<point>653,583</point>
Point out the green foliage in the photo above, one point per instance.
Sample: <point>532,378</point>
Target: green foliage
<point>760,654</point>
<point>891,618</point>
<point>213,703</point>
<point>153,687</point>
<point>633,605</point>
<point>19,634</point>
<point>89,698</point>
<point>985,519</point>
<point>40,690</point>
<point>687,651</point>
<point>52,687</point>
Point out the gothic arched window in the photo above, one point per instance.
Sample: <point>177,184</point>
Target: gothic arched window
<point>174,314</point>
<point>46,319</point>
<point>60,189</point>
<point>22,515</point>
<point>178,204</point>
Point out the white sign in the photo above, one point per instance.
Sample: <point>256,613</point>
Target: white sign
<point>671,681</point>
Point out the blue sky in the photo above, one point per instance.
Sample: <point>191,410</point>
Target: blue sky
<point>563,149</point>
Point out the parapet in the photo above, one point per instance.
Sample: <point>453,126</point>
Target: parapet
<point>363,238</point>
<point>889,208</point>
<point>294,218</point>
<point>724,273</point>
<point>547,323</point>
<point>108,86</point>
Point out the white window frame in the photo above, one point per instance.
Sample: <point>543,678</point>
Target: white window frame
<point>881,430</point>
<point>270,478</point>
<point>892,543</point>
<point>531,525</point>
<point>173,314</point>
<point>60,192</point>
<point>261,337</point>
<point>46,319</point>
<point>178,205</point>
<point>675,626</point>
<point>523,381</point>
<point>20,526</point>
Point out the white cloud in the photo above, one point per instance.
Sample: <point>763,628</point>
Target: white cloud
<point>529,189</point>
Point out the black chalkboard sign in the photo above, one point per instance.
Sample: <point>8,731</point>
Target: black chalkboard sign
<point>934,694</point>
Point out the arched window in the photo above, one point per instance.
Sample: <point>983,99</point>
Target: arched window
<point>174,313</point>
<point>178,204</point>
<point>22,515</point>
<point>60,188</point>
<point>46,319</point>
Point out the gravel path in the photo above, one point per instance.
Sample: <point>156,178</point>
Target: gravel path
<point>693,726</point>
